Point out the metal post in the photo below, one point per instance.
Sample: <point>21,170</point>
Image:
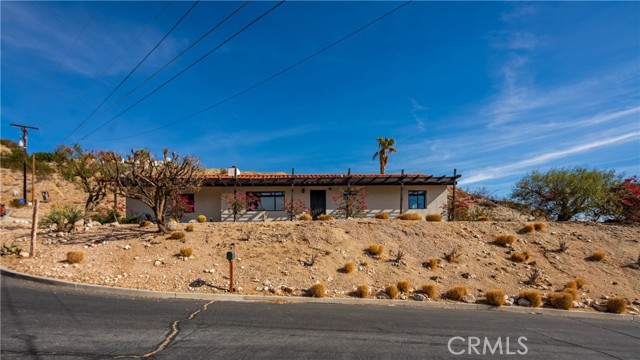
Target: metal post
<point>348,192</point>
<point>230,275</point>
<point>235,193</point>
<point>452,216</point>
<point>25,157</point>
<point>401,191</point>
<point>291,200</point>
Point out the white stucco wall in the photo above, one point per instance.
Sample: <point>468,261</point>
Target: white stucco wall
<point>206,202</point>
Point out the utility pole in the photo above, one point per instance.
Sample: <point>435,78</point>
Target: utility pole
<point>24,163</point>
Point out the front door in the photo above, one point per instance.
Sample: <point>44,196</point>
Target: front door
<point>318,203</point>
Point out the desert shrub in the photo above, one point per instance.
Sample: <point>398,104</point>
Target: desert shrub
<point>130,219</point>
<point>17,204</point>
<point>561,300</point>
<point>382,216</point>
<point>580,283</point>
<point>571,291</point>
<point>457,292</point>
<point>349,267</point>
<point>177,235</point>
<point>598,256</point>
<point>186,251</point>
<point>399,256</point>
<point>533,296</point>
<point>539,226</point>
<point>325,217</point>
<point>534,276</point>
<point>364,263</point>
<point>63,216</point>
<point>616,305</point>
<point>376,250</point>
<point>433,264</point>
<point>505,239</point>
<point>431,290</point>
<point>404,286</point>
<point>189,228</point>
<point>318,290</point>
<point>202,218</point>
<point>563,246</point>
<point>392,291</point>
<point>10,250</point>
<point>453,256</point>
<point>433,217</point>
<point>145,223</point>
<point>410,216</point>
<point>305,217</point>
<point>363,291</point>
<point>74,257</point>
<point>495,297</point>
<point>572,284</point>
<point>483,218</point>
<point>527,229</point>
<point>520,257</point>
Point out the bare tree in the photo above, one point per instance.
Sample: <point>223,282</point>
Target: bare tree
<point>153,182</point>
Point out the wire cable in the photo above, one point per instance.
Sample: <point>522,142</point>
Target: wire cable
<point>133,70</point>
<point>288,68</point>
<point>183,70</point>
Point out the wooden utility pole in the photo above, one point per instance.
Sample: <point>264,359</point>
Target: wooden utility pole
<point>401,190</point>
<point>33,178</point>
<point>25,157</point>
<point>452,216</point>
<point>34,229</point>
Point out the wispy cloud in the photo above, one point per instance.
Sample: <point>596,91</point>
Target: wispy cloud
<point>519,166</point>
<point>418,112</point>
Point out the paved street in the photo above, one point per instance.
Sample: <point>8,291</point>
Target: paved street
<point>43,322</point>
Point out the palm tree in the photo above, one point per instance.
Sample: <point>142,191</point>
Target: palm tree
<point>385,144</point>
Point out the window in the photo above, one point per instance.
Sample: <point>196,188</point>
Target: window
<point>417,199</point>
<point>269,200</point>
<point>190,203</point>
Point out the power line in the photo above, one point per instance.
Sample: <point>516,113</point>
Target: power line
<point>133,70</point>
<point>184,70</point>
<point>175,58</point>
<point>288,68</point>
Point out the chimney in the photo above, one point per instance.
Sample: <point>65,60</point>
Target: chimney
<point>233,171</point>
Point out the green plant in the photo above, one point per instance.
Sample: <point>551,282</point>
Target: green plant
<point>560,300</point>
<point>539,226</point>
<point>409,216</point>
<point>189,228</point>
<point>384,145</point>
<point>457,292</point>
<point>63,216</point>
<point>431,290</point>
<point>325,217</point>
<point>75,257</point>
<point>505,239</point>
<point>392,291</point>
<point>617,305</point>
<point>534,297</point>
<point>177,235</point>
<point>433,217</point>
<point>305,217</point>
<point>318,290</point>
<point>130,219</point>
<point>363,291</point>
<point>349,267</point>
<point>382,216</point>
<point>529,228</point>
<point>202,218</point>
<point>186,251</point>
<point>10,250</point>
<point>495,297</point>
<point>351,203</point>
<point>598,256</point>
<point>404,286</point>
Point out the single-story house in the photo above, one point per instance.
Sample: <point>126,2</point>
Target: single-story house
<point>391,193</point>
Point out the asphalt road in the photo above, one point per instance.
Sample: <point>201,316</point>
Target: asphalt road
<point>43,322</point>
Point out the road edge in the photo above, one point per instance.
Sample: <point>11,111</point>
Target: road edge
<point>298,299</point>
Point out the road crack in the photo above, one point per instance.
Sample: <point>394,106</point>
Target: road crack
<point>175,330</point>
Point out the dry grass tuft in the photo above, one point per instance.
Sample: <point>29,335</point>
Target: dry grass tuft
<point>433,217</point>
<point>409,216</point>
<point>539,226</point>
<point>364,263</point>
<point>431,290</point>
<point>363,291</point>
<point>571,291</point>
<point>305,217</point>
<point>598,256</point>
<point>505,239</point>
<point>533,296</point>
<point>560,300</point>
<point>527,229</point>
<point>572,284</point>
<point>74,257</point>
<point>483,218</point>
<point>404,286</point>
<point>617,305</point>
<point>202,218</point>
<point>317,290</point>
<point>186,251</point>
<point>145,223</point>
<point>392,291</point>
<point>177,235</point>
<point>349,267</point>
<point>580,283</point>
<point>189,228</point>
<point>520,257</point>
<point>376,250</point>
<point>495,297</point>
<point>457,293</point>
<point>563,246</point>
<point>325,217</point>
<point>433,264</point>
<point>382,216</point>
<point>453,256</point>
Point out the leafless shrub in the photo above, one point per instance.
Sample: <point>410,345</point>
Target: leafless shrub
<point>563,246</point>
<point>453,256</point>
<point>534,276</point>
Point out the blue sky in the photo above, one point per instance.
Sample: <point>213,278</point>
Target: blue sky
<point>492,89</point>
